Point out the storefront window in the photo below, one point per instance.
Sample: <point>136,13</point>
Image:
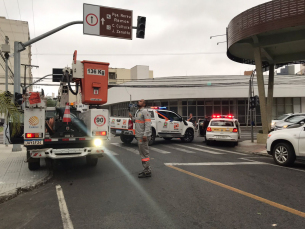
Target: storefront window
<point>217,102</point>
<point>192,109</point>
<point>184,103</point>
<point>209,110</point>
<point>200,111</point>
<point>164,104</point>
<point>184,111</point>
<point>201,102</point>
<point>217,109</point>
<point>209,102</point>
<point>192,102</point>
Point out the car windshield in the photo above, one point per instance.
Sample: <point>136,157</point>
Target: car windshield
<point>281,117</point>
<point>222,123</point>
<point>296,119</point>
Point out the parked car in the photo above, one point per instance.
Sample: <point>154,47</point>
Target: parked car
<point>287,145</point>
<point>292,122</point>
<point>280,119</point>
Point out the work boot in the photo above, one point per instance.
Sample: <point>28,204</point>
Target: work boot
<point>144,174</point>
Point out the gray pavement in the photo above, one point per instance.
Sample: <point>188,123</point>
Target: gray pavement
<point>15,177</point>
<point>225,188</point>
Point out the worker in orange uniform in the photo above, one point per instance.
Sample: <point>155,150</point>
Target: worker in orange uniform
<point>142,122</point>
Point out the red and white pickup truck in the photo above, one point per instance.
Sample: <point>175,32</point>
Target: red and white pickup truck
<point>164,123</point>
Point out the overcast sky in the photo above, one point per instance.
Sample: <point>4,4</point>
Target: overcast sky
<point>172,26</point>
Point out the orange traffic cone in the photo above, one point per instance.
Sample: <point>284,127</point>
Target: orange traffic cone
<point>67,117</point>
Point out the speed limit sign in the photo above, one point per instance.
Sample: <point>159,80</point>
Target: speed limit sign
<point>100,120</point>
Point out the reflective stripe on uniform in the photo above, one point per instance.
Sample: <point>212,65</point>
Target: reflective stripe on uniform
<point>147,120</point>
<point>140,121</point>
<point>146,159</point>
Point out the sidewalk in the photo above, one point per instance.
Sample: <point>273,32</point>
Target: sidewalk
<point>15,177</point>
<point>248,147</point>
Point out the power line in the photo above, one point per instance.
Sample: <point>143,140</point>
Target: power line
<point>35,32</point>
<point>20,20</point>
<point>132,54</point>
<point>8,19</point>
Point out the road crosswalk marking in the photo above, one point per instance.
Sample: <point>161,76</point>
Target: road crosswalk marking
<point>159,150</point>
<point>226,151</point>
<point>135,151</point>
<point>201,150</point>
<point>179,149</point>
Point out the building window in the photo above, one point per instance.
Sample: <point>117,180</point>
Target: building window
<point>112,75</point>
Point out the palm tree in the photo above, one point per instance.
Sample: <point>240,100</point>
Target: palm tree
<point>7,107</point>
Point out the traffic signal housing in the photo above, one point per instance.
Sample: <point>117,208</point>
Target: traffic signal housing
<point>18,99</point>
<point>141,27</point>
<point>256,100</point>
<point>252,102</point>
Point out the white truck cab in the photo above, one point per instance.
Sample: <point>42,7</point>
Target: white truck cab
<point>286,145</point>
<point>223,128</point>
<point>165,124</point>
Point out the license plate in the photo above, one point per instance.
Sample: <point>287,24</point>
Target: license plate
<point>221,136</point>
<point>118,131</point>
<point>33,142</point>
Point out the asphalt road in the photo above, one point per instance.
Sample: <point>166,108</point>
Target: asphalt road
<point>227,189</point>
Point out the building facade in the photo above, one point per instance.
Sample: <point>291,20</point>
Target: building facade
<point>207,95</point>
<point>16,31</point>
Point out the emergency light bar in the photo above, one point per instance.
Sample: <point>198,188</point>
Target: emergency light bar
<point>223,116</point>
<point>160,108</point>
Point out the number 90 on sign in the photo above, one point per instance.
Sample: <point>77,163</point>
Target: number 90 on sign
<point>99,72</point>
<point>100,120</point>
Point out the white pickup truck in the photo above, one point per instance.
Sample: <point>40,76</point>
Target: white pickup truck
<point>286,145</point>
<point>165,124</point>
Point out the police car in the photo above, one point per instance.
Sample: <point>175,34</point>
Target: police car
<point>223,128</point>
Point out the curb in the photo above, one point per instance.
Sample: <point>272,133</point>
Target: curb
<point>26,188</point>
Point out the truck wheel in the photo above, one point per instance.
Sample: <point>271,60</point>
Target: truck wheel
<point>33,163</point>
<point>91,161</point>
<point>283,154</point>
<point>152,137</point>
<point>127,139</point>
<point>188,136</point>
<point>168,139</point>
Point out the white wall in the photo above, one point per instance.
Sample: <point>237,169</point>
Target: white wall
<point>140,72</point>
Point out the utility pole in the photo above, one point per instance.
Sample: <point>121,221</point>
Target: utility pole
<point>27,65</point>
<point>6,49</point>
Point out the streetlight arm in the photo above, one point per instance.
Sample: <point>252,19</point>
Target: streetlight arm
<point>24,45</point>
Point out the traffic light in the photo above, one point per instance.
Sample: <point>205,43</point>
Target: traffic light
<point>141,27</point>
<point>256,100</point>
<point>252,102</point>
<point>18,99</point>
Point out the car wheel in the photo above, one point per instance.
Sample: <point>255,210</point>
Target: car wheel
<point>152,137</point>
<point>188,136</point>
<point>283,154</point>
<point>126,139</point>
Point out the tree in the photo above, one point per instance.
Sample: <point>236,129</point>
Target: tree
<point>51,103</point>
<point>7,107</point>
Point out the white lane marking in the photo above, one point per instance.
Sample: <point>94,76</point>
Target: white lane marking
<point>65,216</point>
<point>159,150</point>
<point>219,163</point>
<point>227,151</point>
<point>202,150</point>
<point>107,151</point>
<point>283,167</point>
<point>135,151</point>
<point>179,149</point>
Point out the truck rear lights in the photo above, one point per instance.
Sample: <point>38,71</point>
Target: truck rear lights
<point>209,129</point>
<point>235,130</point>
<point>48,140</point>
<point>99,133</point>
<point>130,124</point>
<point>33,135</point>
